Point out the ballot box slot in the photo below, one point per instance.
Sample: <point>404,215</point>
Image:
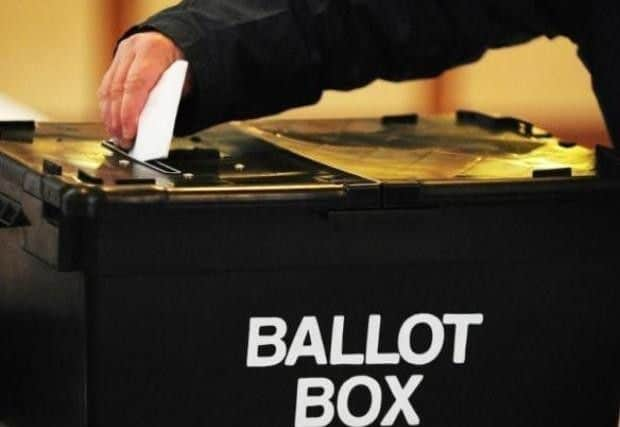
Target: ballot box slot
<point>156,165</point>
<point>161,167</point>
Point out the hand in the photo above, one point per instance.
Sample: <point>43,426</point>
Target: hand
<point>139,62</point>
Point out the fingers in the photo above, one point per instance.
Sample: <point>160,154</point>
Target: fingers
<point>139,63</point>
<point>116,92</point>
<point>111,90</point>
<point>140,80</point>
<point>104,89</point>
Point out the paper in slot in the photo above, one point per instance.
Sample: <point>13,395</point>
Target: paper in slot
<point>156,123</point>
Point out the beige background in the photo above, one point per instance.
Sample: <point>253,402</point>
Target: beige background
<point>52,55</point>
<point>55,52</point>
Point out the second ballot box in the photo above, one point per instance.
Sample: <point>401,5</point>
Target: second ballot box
<point>433,271</point>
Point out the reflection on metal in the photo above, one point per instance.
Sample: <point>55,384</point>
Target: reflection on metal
<point>435,148</point>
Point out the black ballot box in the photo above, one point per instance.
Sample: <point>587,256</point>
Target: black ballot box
<point>435,271</point>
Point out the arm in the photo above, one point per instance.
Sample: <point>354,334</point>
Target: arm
<point>251,58</point>
<point>599,49</point>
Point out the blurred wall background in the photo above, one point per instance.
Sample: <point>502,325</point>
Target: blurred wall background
<point>54,54</point>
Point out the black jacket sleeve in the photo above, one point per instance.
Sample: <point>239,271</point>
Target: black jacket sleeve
<point>599,49</point>
<point>251,58</point>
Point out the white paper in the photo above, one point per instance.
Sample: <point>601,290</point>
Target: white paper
<point>156,123</point>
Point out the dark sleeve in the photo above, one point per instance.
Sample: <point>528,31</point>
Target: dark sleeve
<point>251,58</point>
<point>599,50</point>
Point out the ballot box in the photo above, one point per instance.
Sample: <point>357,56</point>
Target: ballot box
<point>456,270</point>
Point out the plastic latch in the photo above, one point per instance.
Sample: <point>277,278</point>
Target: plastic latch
<point>11,214</point>
<point>88,178</point>
<point>51,168</point>
<point>552,173</point>
<point>402,119</point>
<point>17,131</point>
<point>500,124</point>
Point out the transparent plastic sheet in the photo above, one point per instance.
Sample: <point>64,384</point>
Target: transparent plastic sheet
<point>434,148</point>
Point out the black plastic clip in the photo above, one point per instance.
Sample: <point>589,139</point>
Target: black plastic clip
<point>88,178</point>
<point>500,124</point>
<point>51,168</point>
<point>402,119</point>
<point>552,173</point>
<point>17,131</point>
<point>11,214</point>
<point>136,181</point>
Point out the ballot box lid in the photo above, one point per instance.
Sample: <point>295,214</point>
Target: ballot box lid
<point>72,167</point>
<point>345,163</point>
<point>463,157</point>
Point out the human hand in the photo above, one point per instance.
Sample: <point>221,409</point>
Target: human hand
<point>139,62</point>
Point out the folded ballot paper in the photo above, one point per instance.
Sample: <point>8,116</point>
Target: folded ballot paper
<point>156,123</point>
